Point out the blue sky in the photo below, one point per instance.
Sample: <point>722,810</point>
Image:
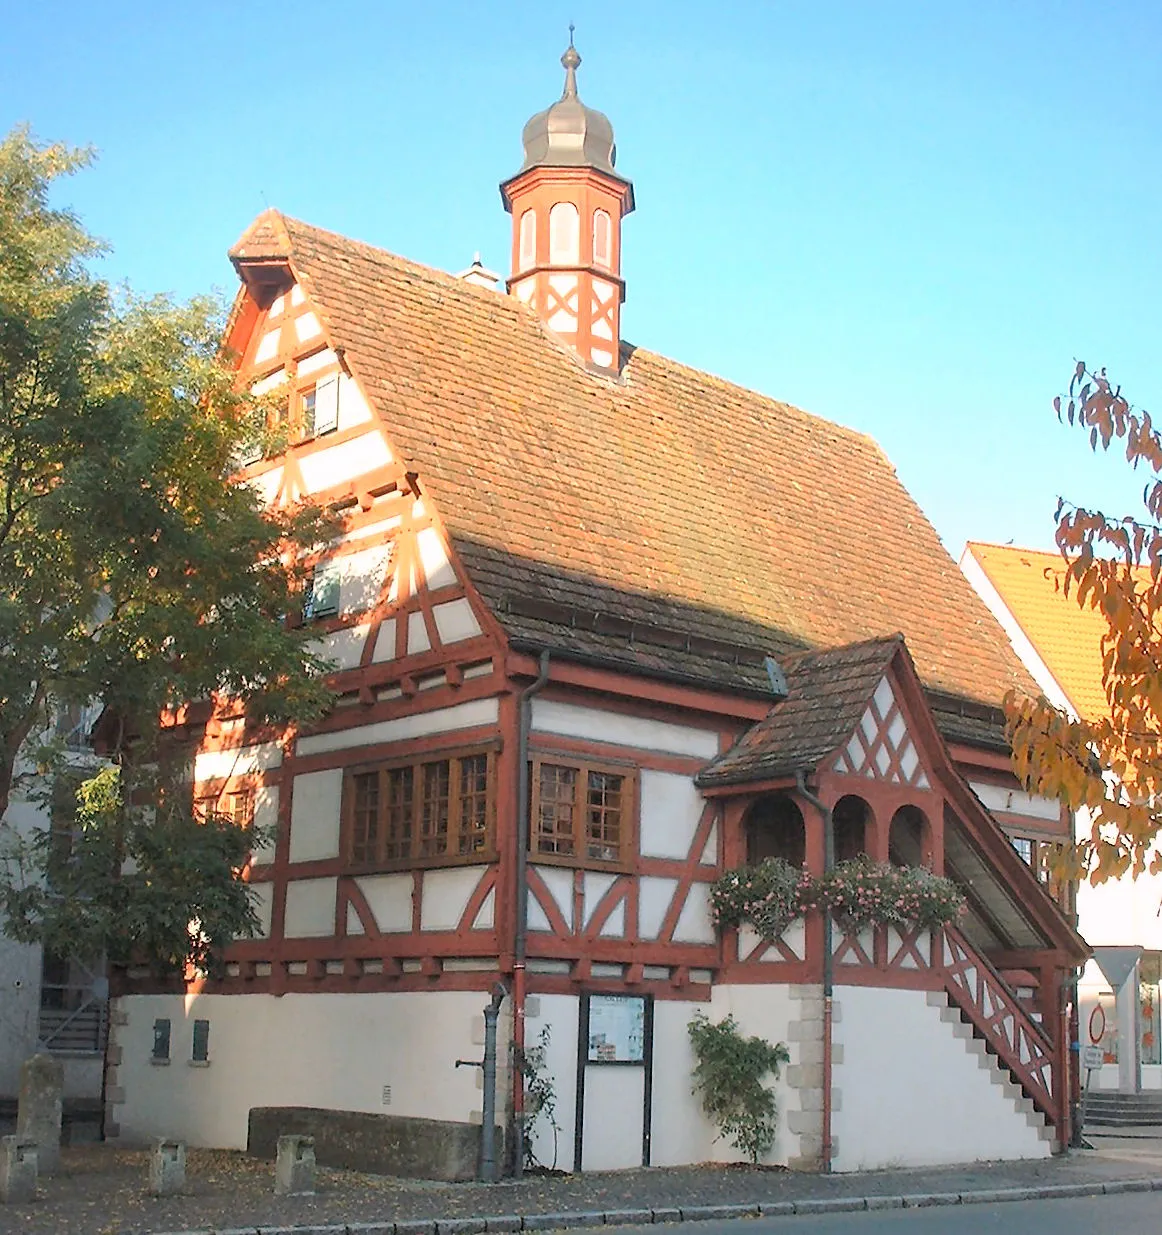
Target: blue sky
<point>907,217</point>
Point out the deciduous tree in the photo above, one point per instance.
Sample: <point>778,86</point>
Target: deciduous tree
<point>133,571</point>
<point>1110,766</point>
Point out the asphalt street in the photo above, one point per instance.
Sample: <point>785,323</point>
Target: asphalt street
<point>1131,1214</point>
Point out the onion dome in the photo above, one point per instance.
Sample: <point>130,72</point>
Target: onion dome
<point>569,134</point>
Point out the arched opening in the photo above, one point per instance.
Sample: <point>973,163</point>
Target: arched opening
<point>908,837</point>
<point>528,239</point>
<point>602,233</point>
<point>850,819</point>
<point>774,828</point>
<point>564,234</point>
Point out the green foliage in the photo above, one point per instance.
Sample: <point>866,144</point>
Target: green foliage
<point>540,1096</point>
<point>176,900</point>
<point>862,893</point>
<point>729,1076</point>
<point>131,569</point>
<point>771,895</point>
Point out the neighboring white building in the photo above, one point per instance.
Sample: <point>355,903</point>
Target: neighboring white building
<point>49,1003</point>
<point>1060,644</point>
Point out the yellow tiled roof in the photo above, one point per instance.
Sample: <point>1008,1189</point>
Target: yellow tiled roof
<point>1065,636</point>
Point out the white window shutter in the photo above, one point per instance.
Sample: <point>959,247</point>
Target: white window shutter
<point>327,404</point>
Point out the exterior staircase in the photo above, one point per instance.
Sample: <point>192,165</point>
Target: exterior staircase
<point>1108,1108</point>
<point>999,1074</point>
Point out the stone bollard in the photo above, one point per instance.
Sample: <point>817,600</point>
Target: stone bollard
<point>294,1167</point>
<point>38,1115</point>
<point>167,1168</point>
<point>17,1169</point>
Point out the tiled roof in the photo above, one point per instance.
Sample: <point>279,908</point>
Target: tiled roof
<point>827,693</point>
<point>1065,636</point>
<point>666,498</point>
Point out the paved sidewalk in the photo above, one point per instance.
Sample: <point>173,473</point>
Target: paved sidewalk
<point>101,1191</point>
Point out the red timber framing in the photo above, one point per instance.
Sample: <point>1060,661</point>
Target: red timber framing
<point>411,688</point>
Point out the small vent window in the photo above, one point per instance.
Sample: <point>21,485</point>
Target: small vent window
<point>564,234</point>
<point>602,233</point>
<point>200,1052</point>
<point>161,1036</point>
<point>528,239</point>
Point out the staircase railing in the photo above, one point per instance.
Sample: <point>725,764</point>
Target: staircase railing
<point>990,1004</point>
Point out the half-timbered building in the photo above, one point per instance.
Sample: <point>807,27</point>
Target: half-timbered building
<point>603,626</point>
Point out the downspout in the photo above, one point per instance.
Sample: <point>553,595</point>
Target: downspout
<point>520,942</point>
<point>828,963</point>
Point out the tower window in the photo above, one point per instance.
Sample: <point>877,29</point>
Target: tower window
<point>564,234</point>
<point>602,231</point>
<point>528,239</point>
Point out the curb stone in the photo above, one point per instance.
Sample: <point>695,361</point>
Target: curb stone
<point>831,1205</point>
<point>508,1224</point>
<point>924,1200</point>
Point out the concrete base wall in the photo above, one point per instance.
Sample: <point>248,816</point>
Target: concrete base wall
<point>376,1053</point>
<point>379,1144</point>
<point>907,1092</point>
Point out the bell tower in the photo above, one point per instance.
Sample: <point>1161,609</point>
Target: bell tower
<point>567,204</point>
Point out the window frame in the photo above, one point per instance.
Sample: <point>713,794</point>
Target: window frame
<point>584,765</point>
<point>415,858</point>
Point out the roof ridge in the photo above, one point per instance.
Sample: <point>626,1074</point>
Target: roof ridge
<point>444,279</point>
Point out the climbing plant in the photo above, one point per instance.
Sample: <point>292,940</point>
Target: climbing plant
<point>728,1077</point>
<point>540,1097</point>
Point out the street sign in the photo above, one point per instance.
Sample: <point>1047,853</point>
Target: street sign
<point>1092,1057</point>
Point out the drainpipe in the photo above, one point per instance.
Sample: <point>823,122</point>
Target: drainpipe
<point>524,711</point>
<point>828,963</point>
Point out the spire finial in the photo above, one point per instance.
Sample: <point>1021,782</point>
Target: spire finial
<point>571,60</point>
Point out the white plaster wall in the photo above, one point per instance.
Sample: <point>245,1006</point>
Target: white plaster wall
<point>455,621</point>
<point>765,1012</point>
<point>19,1010</point>
<point>314,828</point>
<point>262,897</point>
<point>912,1094</point>
<point>560,1014</point>
<point>654,897</point>
<point>419,724</point>
<point>241,761</point>
<point>310,908</point>
<point>446,896</point>
<point>389,897</point>
<point>679,1131</point>
<point>437,569</point>
<point>671,807</point>
<point>325,1050</point>
<point>361,577</point>
<point>694,923</point>
<point>321,469</point>
<point>594,724</point>
<point>266,817</point>
<point>344,648</point>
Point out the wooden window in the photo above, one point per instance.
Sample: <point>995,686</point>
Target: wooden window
<point>237,806</point>
<point>581,812</point>
<point>426,812</point>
